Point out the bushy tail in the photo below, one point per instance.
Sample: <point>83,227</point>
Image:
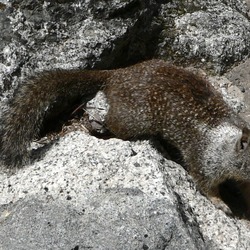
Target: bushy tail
<point>34,100</point>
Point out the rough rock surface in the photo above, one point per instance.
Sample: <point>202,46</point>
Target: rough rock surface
<point>97,194</point>
<point>113,194</point>
<point>83,192</point>
<point>240,77</point>
<point>212,34</point>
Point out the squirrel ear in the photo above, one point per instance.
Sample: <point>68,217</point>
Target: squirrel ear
<point>243,142</point>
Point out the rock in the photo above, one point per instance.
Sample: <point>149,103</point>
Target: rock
<point>214,35</point>
<point>112,194</point>
<point>83,192</point>
<point>240,77</point>
<point>94,194</point>
<point>37,35</point>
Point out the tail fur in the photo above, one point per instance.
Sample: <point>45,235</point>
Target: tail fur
<point>34,100</point>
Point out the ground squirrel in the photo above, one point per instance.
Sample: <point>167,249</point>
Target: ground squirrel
<point>152,98</point>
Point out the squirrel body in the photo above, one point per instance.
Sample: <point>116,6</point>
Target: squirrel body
<point>152,98</point>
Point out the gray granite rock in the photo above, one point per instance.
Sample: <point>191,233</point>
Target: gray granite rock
<point>112,194</point>
<point>240,77</point>
<point>212,34</point>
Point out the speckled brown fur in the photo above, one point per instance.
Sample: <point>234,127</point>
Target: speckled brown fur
<point>152,98</point>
